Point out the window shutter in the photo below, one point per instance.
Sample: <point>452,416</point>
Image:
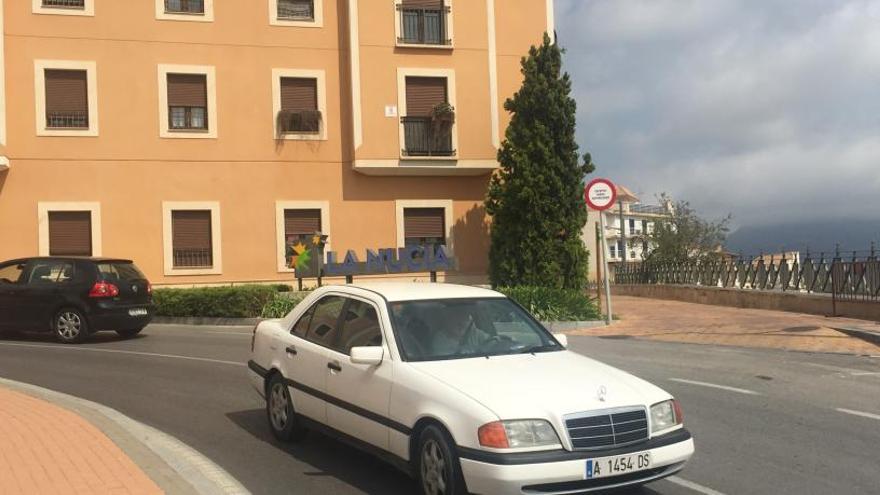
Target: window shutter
<point>66,91</point>
<point>187,90</point>
<point>70,233</point>
<point>191,229</point>
<point>301,222</point>
<point>424,222</point>
<point>423,93</point>
<point>298,93</point>
<point>427,4</point>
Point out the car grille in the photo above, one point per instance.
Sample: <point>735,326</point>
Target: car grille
<point>606,429</point>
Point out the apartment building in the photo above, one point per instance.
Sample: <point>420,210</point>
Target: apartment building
<point>626,228</point>
<point>202,137</point>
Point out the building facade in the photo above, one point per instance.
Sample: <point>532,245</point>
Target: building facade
<point>626,228</point>
<point>202,138</point>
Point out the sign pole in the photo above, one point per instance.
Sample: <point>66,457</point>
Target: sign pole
<point>605,269</point>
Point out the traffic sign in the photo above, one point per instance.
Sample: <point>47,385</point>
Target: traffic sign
<point>600,194</point>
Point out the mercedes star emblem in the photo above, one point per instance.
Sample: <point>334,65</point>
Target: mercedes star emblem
<point>601,393</point>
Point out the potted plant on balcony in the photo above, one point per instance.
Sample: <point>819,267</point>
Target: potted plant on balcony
<point>442,118</point>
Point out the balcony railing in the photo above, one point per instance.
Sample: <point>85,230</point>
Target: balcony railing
<point>421,139</point>
<point>650,209</point>
<point>193,258</point>
<point>299,121</point>
<point>296,10</point>
<point>65,4</point>
<point>423,25</point>
<point>185,7</point>
<point>67,120</point>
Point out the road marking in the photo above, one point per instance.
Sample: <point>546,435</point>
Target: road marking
<point>839,369</point>
<point>693,486</point>
<point>713,385</point>
<point>117,351</point>
<point>230,333</point>
<point>859,413</point>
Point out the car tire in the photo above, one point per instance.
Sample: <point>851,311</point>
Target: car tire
<point>283,420</point>
<point>127,334</point>
<point>70,326</point>
<point>438,467</point>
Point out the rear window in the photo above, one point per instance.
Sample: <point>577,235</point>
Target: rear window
<point>119,271</point>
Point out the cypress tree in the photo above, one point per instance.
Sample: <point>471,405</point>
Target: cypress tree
<point>536,198</point>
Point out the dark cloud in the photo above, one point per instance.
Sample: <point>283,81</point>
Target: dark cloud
<point>766,109</point>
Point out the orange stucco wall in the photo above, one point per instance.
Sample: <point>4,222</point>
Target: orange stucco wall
<point>130,170</point>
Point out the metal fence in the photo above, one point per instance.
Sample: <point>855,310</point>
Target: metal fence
<point>855,278</point>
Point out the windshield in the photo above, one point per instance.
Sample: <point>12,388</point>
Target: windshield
<point>441,329</point>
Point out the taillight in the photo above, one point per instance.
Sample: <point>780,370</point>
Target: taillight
<point>104,289</point>
<point>149,288</point>
<point>493,435</point>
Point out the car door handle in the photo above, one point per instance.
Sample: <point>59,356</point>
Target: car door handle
<point>334,366</point>
<point>291,350</point>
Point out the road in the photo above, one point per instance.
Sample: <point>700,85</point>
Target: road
<point>763,420</point>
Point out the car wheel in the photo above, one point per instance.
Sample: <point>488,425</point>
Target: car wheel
<point>70,326</point>
<point>438,466</point>
<point>279,409</point>
<point>127,334</point>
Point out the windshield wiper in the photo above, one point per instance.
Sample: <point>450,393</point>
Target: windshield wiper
<point>538,348</point>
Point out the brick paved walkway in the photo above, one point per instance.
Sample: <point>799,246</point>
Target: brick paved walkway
<point>675,321</point>
<point>45,449</point>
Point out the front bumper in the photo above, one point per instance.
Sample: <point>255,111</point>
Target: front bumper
<point>563,472</point>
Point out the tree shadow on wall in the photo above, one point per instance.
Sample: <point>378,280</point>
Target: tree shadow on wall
<point>470,235</point>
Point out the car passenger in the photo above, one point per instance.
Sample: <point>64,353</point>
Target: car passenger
<point>455,333</point>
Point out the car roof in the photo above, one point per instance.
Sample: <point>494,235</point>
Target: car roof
<point>94,259</point>
<point>412,291</point>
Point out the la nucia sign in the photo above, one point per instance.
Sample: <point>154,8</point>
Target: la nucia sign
<point>410,259</point>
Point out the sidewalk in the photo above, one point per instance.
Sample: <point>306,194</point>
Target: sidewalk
<point>45,449</point>
<point>674,321</point>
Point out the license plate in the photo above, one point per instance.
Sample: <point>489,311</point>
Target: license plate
<point>618,464</point>
<point>137,312</point>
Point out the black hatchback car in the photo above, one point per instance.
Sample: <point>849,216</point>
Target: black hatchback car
<point>74,297</point>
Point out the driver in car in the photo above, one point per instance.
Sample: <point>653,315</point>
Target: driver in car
<point>456,333</point>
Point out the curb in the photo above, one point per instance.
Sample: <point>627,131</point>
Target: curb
<point>199,320</point>
<point>866,335</point>
<point>192,471</point>
<point>569,326</point>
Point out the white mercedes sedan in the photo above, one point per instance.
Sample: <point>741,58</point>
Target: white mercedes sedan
<point>464,390</point>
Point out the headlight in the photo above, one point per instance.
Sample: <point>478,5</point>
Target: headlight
<point>665,415</point>
<point>517,434</point>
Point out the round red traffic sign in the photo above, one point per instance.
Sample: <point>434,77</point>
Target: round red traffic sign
<point>600,194</point>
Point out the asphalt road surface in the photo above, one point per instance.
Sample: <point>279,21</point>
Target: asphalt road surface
<point>763,421</point>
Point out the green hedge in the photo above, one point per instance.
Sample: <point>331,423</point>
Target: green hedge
<point>244,301</point>
<point>551,304</point>
<point>281,304</point>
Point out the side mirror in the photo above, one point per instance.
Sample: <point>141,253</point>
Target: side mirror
<point>562,339</point>
<point>371,356</point>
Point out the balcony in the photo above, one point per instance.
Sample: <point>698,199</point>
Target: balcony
<point>67,120</point>
<point>193,258</point>
<point>421,139</point>
<point>423,26</point>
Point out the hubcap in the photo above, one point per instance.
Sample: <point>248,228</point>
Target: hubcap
<point>69,325</point>
<point>433,469</point>
<point>278,406</point>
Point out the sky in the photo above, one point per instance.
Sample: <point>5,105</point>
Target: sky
<point>765,109</point>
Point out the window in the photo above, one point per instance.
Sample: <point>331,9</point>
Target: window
<point>425,132</point>
<point>620,249</point>
<point>632,225</point>
<point>360,327</point>
<point>424,226</point>
<point>187,102</point>
<point>185,10</point>
<point>191,238</point>
<point>302,325</point>
<point>296,221</point>
<point>50,273</point>
<point>299,106</point>
<point>64,7</point>
<point>299,225</point>
<point>423,22</point>
<point>70,233</point>
<point>612,251</point>
<point>66,98</point>
<point>196,7</point>
<point>301,13</point>
<point>11,274</point>
<point>322,328</point>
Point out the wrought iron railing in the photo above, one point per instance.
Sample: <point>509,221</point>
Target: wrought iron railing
<point>65,4</point>
<point>296,10</point>
<point>423,25</point>
<point>851,278</point>
<point>299,121</point>
<point>185,6</point>
<point>421,138</point>
<point>193,258</point>
<point>67,120</point>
